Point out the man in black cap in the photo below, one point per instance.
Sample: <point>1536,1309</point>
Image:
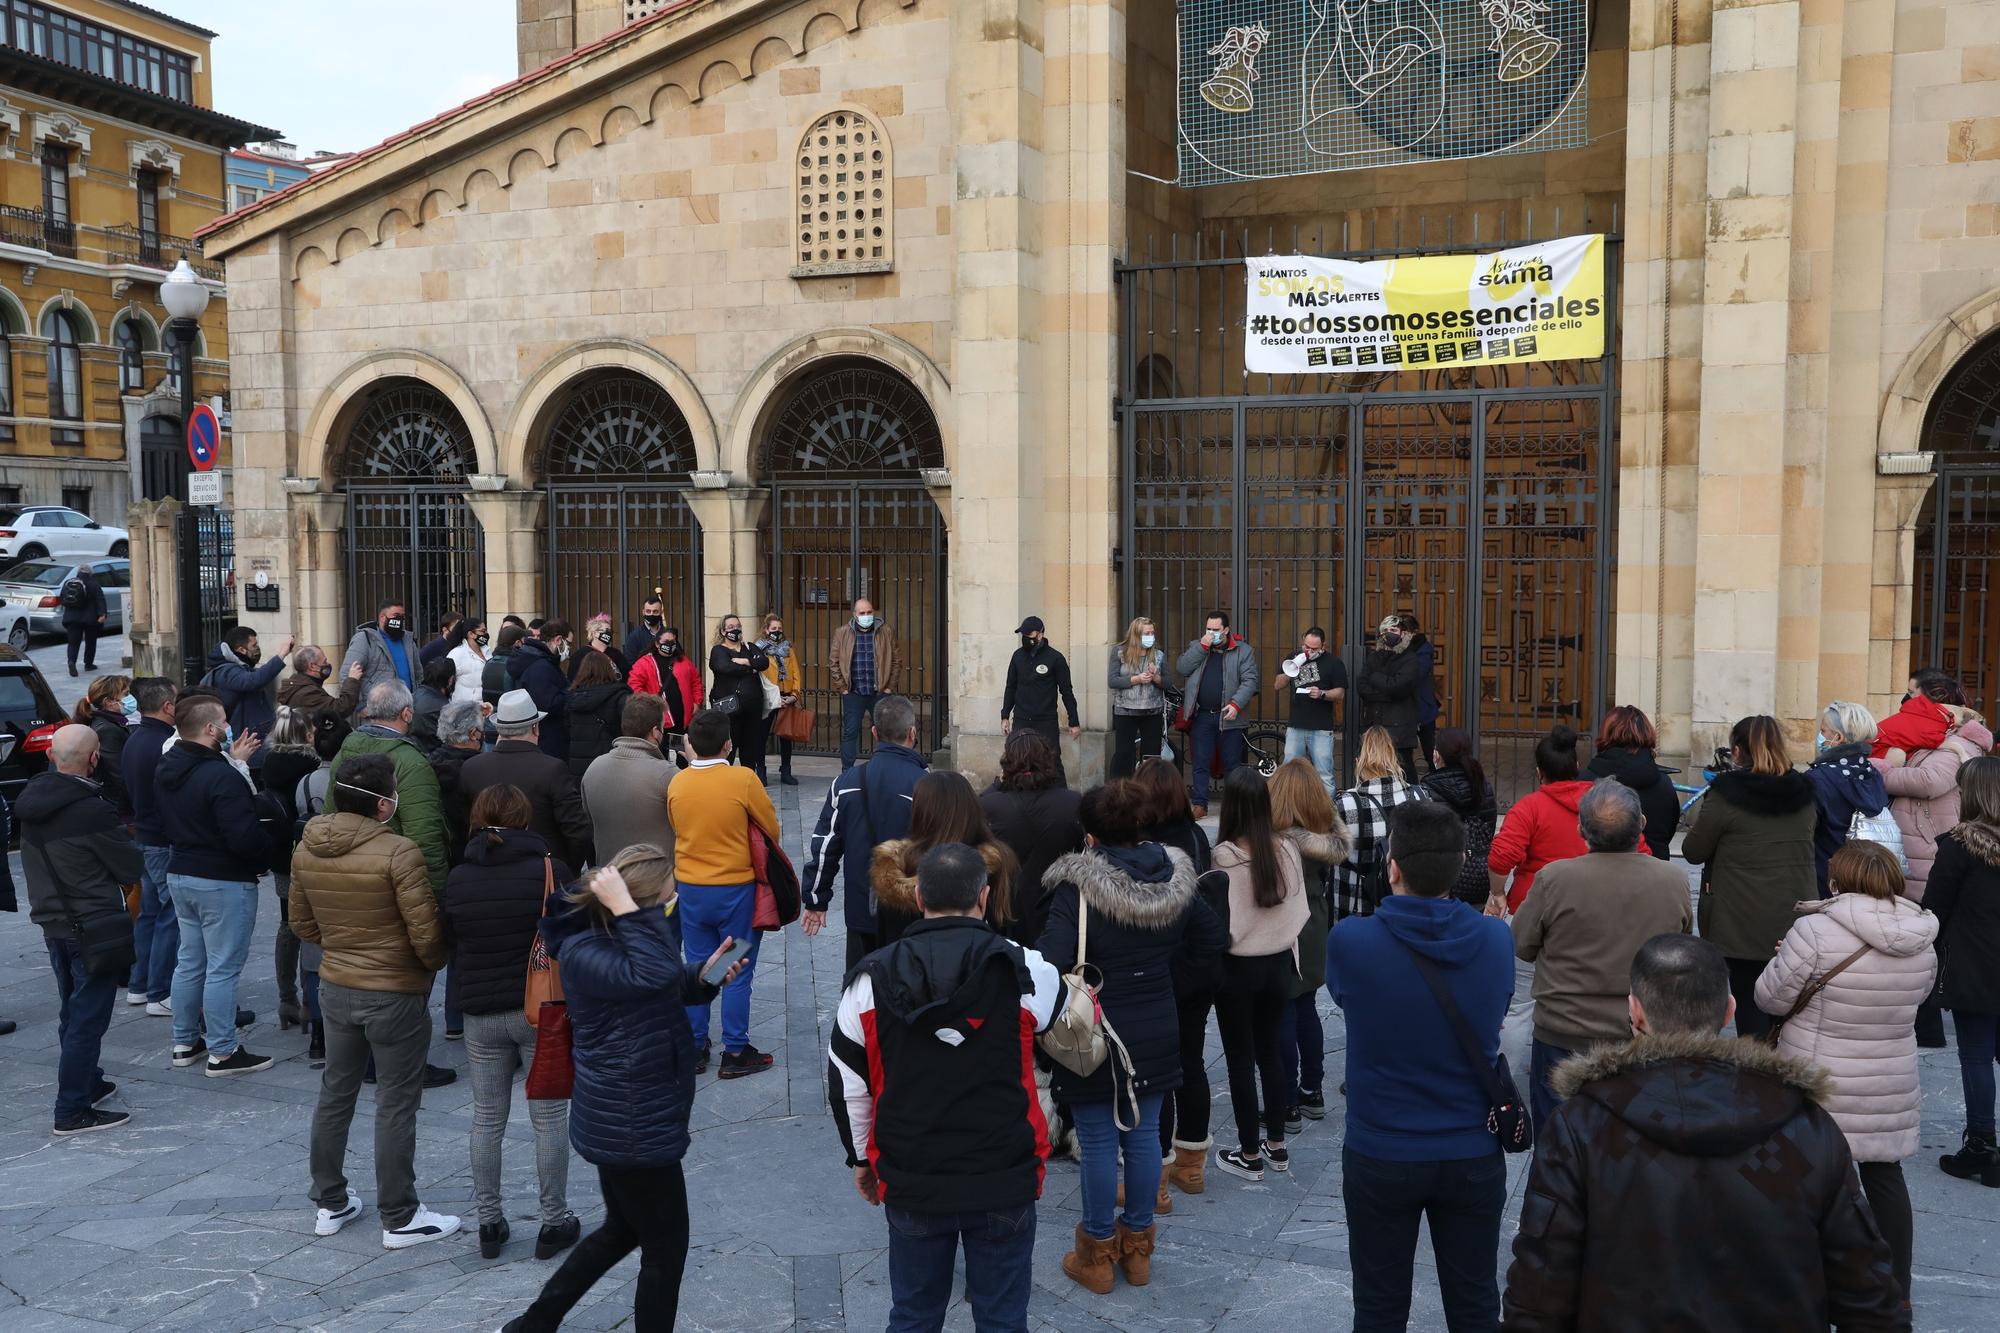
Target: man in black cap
<point>1036,675</point>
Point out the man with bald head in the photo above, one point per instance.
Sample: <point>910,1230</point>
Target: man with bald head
<point>306,689</point>
<point>78,857</point>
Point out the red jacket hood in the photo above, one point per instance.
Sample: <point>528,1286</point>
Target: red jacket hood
<point>1568,795</point>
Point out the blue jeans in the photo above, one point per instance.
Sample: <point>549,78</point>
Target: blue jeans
<point>1098,1138</point>
<point>1314,745</point>
<point>1302,1045</point>
<point>708,912</point>
<point>1461,1200</point>
<point>1977,1035</point>
<point>85,1014</point>
<point>999,1267</point>
<point>217,917</point>
<point>852,706</point>
<point>1542,1061</point>
<point>156,935</point>
<point>1205,733</point>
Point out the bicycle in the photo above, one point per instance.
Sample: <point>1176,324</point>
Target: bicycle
<point>1263,743</point>
<point>1722,763</point>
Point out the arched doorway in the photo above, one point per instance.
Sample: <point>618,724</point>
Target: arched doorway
<point>844,452</point>
<point>410,534</point>
<point>1956,626</point>
<point>615,460</point>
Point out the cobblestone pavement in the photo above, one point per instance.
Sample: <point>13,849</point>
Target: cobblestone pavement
<point>196,1216</point>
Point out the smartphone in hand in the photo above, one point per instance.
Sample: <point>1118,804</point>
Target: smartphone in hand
<point>719,969</point>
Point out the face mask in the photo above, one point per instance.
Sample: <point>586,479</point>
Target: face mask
<point>1390,639</point>
<point>604,638</point>
<point>669,649</point>
<point>1145,641</point>
<point>1212,636</point>
<point>1819,743</point>
<point>228,736</point>
<point>482,639</point>
<point>562,652</point>
<point>129,707</point>
<point>250,659</point>
<point>394,802</point>
<point>655,622</point>
<point>324,673</point>
<point>1029,641</point>
<point>864,622</point>
<point>732,634</point>
<point>777,636</point>
<point>393,627</point>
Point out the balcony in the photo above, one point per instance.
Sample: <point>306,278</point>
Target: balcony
<point>126,245</point>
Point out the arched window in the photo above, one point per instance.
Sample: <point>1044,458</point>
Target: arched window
<point>65,364</point>
<point>846,197</point>
<point>131,356</point>
<point>853,418</point>
<point>619,427</point>
<point>409,432</point>
<point>6,387</point>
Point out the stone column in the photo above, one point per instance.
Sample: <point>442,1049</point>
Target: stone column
<point>154,604</point>
<point>316,580</point>
<point>732,573</point>
<point>1893,591</point>
<point>510,523</point>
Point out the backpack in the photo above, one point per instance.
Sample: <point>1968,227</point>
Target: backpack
<point>73,594</point>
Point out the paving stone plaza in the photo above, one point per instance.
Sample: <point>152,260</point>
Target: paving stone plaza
<point>195,1217</point>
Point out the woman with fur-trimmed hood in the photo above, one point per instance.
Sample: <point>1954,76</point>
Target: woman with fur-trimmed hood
<point>943,808</point>
<point>1964,892</point>
<point>1135,905</point>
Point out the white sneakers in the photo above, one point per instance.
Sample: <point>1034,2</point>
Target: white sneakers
<point>426,1225</point>
<point>330,1221</point>
<point>135,997</point>
<point>160,1008</point>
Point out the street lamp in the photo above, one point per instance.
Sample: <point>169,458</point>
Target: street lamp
<point>185,297</point>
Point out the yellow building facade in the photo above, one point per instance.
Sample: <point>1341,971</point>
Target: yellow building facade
<point>111,159</point>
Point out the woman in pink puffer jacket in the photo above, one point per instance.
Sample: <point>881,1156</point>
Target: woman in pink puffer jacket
<point>1861,1025</point>
<point>1923,796</point>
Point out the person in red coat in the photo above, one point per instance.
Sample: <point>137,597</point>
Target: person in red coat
<point>1541,826</point>
<point>667,672</point>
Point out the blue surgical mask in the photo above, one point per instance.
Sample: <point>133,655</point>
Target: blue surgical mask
<point>130,708</point>
<point>865,621</point>
<point>1819,743</point>
<point>228,735</point>
<point>1145,641</point>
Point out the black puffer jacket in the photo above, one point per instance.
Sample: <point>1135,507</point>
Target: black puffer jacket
<point>1185,836</point>
<point>1139,921</point>
<point>112,733</point>
<point>448,762</point>
<point>1670,1137</point>
<point>492,905</point>
<point>596,715</point>
<point>1038,827</point>
<point>1964,892</point>
<point>1479,812</point>
<point>1638,770</point>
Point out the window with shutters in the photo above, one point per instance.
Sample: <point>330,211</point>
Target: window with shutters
<point>846,203</point>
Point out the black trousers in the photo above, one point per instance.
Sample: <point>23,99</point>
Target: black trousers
<point>860,943</point>
<point>1184,1114</point>
<point>1889,1195</point>
<point>746,733</point>
<point>645,1209</point>
<point>764,750</point>
<point>86,636</point>
<point>1250,1010</point>
<point>1461,1201</point>
<point>1750,1020</point>
<point>1134,737</point>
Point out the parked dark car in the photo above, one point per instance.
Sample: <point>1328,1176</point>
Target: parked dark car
<point>29,716</point>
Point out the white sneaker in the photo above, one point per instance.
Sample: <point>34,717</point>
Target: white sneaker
<point>160,1008</point>
<point>426,1225</point>
<point>329,1222</point>
<point>135,997</point>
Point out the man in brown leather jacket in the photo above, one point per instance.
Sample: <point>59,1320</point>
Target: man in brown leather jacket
<point>1694,1181</point>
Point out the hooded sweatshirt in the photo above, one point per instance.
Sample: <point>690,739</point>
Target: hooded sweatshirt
<point>210,816</point>
<point>1539,829</point>
<point>1844,784</point>
<point>1638,770</point>
<point>1412,1096</point>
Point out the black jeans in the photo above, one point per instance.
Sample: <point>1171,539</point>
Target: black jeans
<point>1134,736</point>
<point>1250,1009</point>
<point>1743,973</point>
<point>747,730</point>
<point>645,1208</point>
<point>784,749</point>
<point>1462,1201</point>
<point>1184,1114</point>
<point>86,635</point>
<point>1889,1195</point>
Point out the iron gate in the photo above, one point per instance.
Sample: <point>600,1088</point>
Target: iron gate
<point>419,545</point>
<point>1958,532</point>
<point>1479,500</point>
<point>410,535</point>
<point>213,530</point>
<point>850,517</point>
<point>620,527</point>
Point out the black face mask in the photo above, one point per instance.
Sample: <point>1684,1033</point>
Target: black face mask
<point>393,627</point>
<point>481,639</point>
<point>325,672</point>
<point>250,659</point>
<point>605,639</point>
<point>669,649</point>
<point>655,621</point>
<point>1030,642</point>
<point>732,634</point>
<point>776,636</point>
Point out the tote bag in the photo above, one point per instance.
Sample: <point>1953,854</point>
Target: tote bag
<point>544,977</point>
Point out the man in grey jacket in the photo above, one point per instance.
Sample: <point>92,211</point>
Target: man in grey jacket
<point>625,788</point>
<point>382,650</point>
<point>1220,674</point>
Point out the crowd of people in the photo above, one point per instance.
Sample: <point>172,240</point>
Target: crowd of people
<point>1033,969</point>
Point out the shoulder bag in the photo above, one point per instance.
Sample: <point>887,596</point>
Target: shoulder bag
<point>544,977</point>
<point>552,1072</point>
<point>1375,879</point>
<point>1880,827</point>
<point>1079,1037</point>
<point>1507,1118</point>
<point>1812,988</point>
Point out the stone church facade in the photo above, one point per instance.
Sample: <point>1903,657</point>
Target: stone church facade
<point>769,304</point>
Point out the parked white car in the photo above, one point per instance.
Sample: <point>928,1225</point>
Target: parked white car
<point>34,589</point>
<point>28,532</point>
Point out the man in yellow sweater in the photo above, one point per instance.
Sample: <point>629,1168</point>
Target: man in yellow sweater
<point>712,806</point>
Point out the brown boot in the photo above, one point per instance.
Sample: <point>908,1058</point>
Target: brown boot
<point>1135,1253</point>
<point>1089,1264</point>
<point>1186,1172</point>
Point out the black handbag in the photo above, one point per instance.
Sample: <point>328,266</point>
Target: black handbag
<point>105,940</point>
<point>1507,1118</point>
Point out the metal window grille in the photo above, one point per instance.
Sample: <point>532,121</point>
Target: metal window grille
<point>845,203</point>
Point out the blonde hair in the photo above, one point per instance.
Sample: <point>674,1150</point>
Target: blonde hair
<point>1851,721</point>
<point>1299,799</point>
<point>723,623</point>
<point>648,871</point>
<point>1134,653</point>
<point>1377,757</point>
<point>1761,741</point>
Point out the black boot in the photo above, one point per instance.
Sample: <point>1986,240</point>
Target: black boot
<point>1977,1160</point>
<point>316,1047</point>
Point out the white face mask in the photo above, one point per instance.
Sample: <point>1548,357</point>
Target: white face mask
<point>865,621</point>
<point>1145,641</point>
